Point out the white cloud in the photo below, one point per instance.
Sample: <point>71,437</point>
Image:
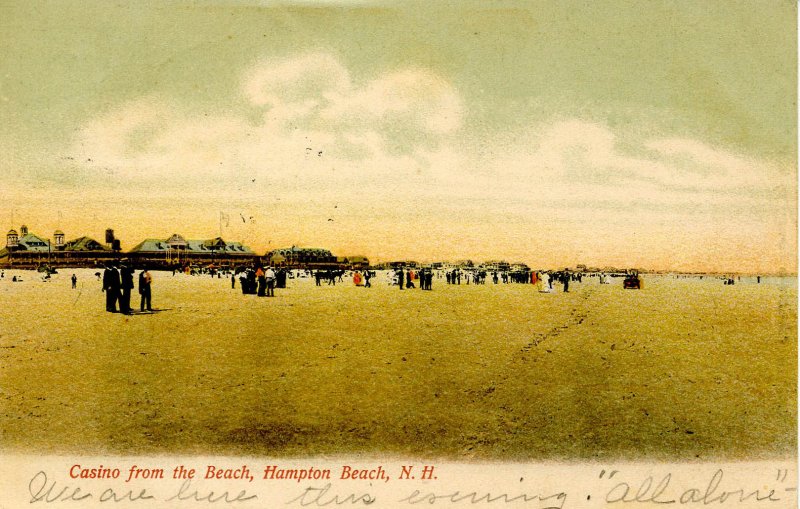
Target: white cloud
<point>424,100</point>
<point>314,119</point>
<point>393,144</point>
<point>315,91</point>
<point>322,130</point>
<point>119,137</point>
<point>299,83</point>
<point>586,163</point>
<point>719,169</point>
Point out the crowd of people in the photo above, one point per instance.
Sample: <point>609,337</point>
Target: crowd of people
<point>404,278</point>
<point>118,279</point>
<point>543,280</point>
<point>260,281</point>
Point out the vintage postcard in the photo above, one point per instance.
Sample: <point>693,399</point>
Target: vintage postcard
<point>360,252</point>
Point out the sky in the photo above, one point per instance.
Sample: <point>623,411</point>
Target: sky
<point>647,134</point>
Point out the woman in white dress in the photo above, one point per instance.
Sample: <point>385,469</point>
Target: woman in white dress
<point>543,285</point>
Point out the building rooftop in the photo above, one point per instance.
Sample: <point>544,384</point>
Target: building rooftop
<point>216,245</point>
<point>84,244</point>
<point>295,249</point>
<point>31,242</point>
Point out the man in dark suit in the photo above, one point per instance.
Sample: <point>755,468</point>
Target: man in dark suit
<point>126,273</point>
<point>111,285</point>
<point>144,290</point>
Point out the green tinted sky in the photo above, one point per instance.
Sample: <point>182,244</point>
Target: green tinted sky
<point>721,69</point>
<point>719,73</point>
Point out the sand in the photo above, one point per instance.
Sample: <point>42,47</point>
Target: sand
<point>683,369</point>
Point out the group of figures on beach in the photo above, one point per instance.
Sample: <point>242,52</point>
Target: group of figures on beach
<point>261,281</point>
<point>363,279</point>
<point>118,286</point>
<point>407,277</point>
<point>544,281</point>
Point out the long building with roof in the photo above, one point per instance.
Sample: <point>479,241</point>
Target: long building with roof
<point>27,250</point>
<point>178,251</point>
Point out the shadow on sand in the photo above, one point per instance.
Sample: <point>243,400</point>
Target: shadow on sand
<point>136,312</point>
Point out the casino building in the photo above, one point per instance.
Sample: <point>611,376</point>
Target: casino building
<point>178,251</point>
<point>27,250</point>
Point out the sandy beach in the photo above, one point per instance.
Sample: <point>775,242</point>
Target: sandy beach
<point>682,369</point>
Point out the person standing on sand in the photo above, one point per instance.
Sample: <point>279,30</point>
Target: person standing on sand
<point>367,277</point>
<point>126,273</point>
<point>400,278</point>
<point>74,281</point>
<point>233,280</point>
<point>145,280</point>
<point>546,282</point>
<point>111,284</point>
<point>262,282</point>
<point>269,276</point>
<point>243,281</point>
